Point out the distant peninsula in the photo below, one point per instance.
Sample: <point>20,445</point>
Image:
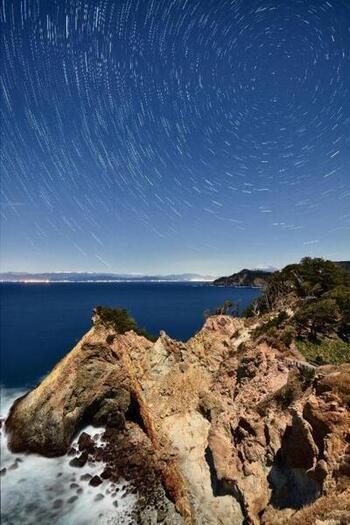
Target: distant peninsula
<point>257,278</point>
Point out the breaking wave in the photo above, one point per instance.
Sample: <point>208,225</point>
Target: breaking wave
<point>42,490</point>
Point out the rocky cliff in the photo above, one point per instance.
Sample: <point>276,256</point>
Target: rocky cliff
<point>218,430</point>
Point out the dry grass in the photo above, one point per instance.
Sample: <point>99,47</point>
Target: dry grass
<point>333,507</point>
<point>339,382</point>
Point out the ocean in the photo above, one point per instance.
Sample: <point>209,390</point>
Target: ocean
<point>40,323</point>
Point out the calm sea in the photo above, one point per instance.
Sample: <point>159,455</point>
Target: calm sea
<point>41,322</point>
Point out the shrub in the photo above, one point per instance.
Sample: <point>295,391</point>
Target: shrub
<point>285,396</point>
<point>288,335</point>
<point>274,322</point>
<point>325,351</point>
<point>120,320</point>
<point>307,374</point>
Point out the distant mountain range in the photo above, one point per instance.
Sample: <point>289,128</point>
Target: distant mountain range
<point>97,277</point>
<point>257,278</point>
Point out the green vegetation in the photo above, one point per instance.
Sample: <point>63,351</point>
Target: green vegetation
<point>227,308</point>
<point>326,350</point>
<point>120,320</point>
<point>286,396</point>
<point>308,280</point>
<point>317,318</point>
<point>274,322</point>
<point>318,293</point>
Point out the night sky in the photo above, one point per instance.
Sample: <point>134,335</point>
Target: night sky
<point>174,135</point>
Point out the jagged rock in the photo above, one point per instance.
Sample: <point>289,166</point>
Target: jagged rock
<point>85,442</point>
<point>79,461</point>
<point>95,481</point>
<point>229,432</point>
<point>298,448</point>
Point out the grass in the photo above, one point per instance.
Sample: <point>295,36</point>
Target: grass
<point>326,351</point>
<point>339,382</point>
<point>333,508</point>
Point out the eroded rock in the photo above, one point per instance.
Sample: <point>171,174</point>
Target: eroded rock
<point>214,431</point>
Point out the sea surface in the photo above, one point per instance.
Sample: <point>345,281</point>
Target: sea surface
<point>40,323</point>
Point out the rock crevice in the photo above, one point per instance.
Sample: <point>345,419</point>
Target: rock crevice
<point>233,433</point>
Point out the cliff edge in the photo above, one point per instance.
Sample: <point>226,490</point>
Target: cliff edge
<point>221,430</point>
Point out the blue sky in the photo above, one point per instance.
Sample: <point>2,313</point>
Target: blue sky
<point>159,137</point>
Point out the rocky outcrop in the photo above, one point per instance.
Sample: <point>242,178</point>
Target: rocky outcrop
<point>223,430</point>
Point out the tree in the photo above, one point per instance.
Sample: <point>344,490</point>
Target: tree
<point>227,308</point>
<point>341,295</point>
<point>119,320</point>
<point>318,317</point>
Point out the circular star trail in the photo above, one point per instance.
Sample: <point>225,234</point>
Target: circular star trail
<point>210,126</point>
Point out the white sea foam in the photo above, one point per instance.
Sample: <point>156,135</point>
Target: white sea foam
<point>42,491</point>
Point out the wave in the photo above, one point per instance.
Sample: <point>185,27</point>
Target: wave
<point>42,491</point>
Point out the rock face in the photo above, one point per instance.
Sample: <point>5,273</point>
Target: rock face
<point>233,432</point>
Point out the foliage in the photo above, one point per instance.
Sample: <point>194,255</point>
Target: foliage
<point>326,350</point>
<point>288,335</point>
<point>285,396</point>
<point>274,322</point>
<point>318,293</point>
<point>318,317</point>
<point>250,310</point>
<point>307,374</point>
<point>120,320</point>
<point>311,278</point>
<point>341,295</point>
<point>227,308</point>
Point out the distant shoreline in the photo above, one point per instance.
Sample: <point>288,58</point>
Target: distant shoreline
<point>100,281</point>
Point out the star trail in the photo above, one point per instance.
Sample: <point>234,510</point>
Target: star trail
<point>174,135</point>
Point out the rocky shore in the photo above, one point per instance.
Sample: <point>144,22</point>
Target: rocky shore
<point>218,430</point>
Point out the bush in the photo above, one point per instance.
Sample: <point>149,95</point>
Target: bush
<point>120,320</point>
<point>285,396</point>
<point>288,335</point>
<point>271,324</point>
<point>307,374</point>
<point>318,292</point>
